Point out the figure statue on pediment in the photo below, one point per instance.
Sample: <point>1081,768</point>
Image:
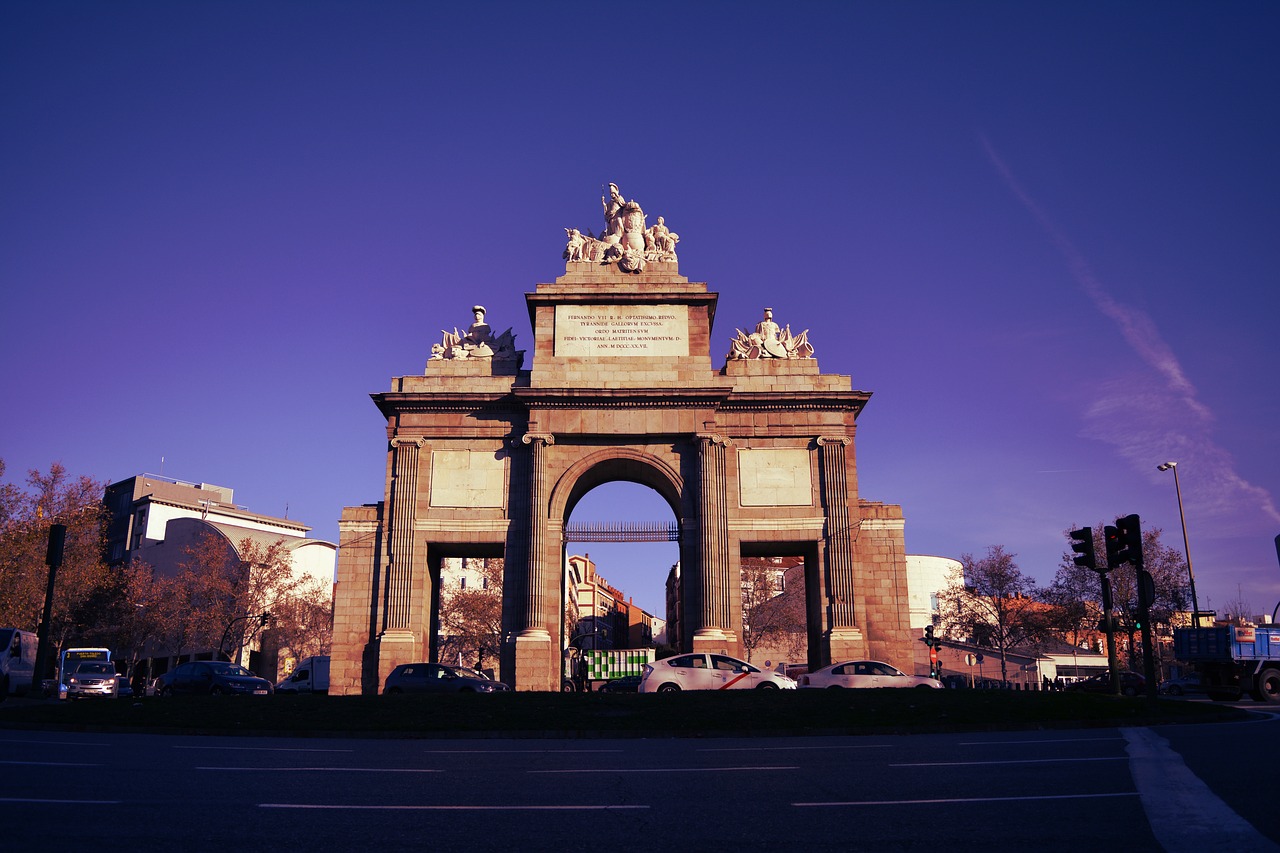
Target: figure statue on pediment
<point>478,342</point>
<point>661,241</point>
<point>769,341</point>
<point>625,239</point>
<point>575,249</point>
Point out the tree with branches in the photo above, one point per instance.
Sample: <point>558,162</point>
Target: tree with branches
<point>773,610</point>
<point>83,583</point>
<point>471,618</point>
<point>990,602</point>
<point>1078,588</point>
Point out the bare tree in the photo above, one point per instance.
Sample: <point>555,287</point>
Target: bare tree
<point>773,609</point>
<point>471,619</point>
<point>303,621</point>
<point>992,603</point>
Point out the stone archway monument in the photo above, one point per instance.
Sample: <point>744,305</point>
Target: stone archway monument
<point>755,456</point>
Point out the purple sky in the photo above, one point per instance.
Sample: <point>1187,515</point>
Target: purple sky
<point>1043,235</point>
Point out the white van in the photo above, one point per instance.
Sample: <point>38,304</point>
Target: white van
<point>310,676</point>
<point>17,661</point>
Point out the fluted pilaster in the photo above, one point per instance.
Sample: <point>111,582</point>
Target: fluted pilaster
<point>838,533</point>
<point>404,492</point>
<point>533,605</point>
<point>713,578</point>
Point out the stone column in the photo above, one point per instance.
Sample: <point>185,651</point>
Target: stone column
<point>396,643</point>
<point>846,638</point>
<point>712,581</point>
<point>536,664</point>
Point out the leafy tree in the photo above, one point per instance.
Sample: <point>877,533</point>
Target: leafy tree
<point>471,618</point>
<point>83,584</point>
<point>992,603</point>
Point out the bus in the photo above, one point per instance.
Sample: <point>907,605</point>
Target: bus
<point>72,658</point>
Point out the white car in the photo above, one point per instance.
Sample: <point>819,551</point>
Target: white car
<point>703,671</point>
<point>865,673</point>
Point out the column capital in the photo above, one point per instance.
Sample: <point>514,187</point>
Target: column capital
<point>824,440</point>
<point>544,437</point>
<point>715,438</point>
<point>407,441</point>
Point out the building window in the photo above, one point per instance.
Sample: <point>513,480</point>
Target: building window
<point>462,583</point>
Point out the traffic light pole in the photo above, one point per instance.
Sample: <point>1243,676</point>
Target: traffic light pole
<point>1109,625</point>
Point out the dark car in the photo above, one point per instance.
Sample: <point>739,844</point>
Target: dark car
<point>212,677</point>
<point>1180,686</point>
<point>625,684</point>
<point>1131,684</point>
<point>439,678</point>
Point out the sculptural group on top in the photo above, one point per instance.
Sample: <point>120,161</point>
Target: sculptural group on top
<point>478,342</point>
<point>625,239</point>
<point>769,341</point>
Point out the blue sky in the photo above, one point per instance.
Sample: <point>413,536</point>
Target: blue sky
<point>1042,235</point>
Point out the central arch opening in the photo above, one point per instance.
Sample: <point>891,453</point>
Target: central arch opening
<point>621,567</point>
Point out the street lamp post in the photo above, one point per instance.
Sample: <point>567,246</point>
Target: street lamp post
<point>1186,548</point>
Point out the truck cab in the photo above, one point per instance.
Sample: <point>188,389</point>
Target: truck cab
<point>309,676</point>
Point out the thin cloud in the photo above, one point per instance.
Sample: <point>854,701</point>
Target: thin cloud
<point>1169,419</point>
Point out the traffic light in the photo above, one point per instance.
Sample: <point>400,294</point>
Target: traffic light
<point>1146,589</point>
<point>1111,538</point>
<point>1130,529</point>
<point>1082,544</point>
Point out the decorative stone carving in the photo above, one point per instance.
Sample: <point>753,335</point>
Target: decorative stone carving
<point>478,342</point>
<point>625,239</point>
<point>768,341</point>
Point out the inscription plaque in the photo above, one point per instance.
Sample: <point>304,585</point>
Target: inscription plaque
<point>622,330</point>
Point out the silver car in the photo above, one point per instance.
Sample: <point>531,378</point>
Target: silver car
<point>92,678</point>
<point>865,673</point>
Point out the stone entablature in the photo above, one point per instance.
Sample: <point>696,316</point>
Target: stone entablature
<point>484,458</point>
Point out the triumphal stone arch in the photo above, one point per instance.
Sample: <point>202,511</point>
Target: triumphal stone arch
<point>485,458</point>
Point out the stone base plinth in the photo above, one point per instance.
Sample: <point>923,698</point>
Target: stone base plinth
<point>536,662</point>
<point>846,644</point>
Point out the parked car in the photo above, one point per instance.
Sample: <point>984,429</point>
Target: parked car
<point>124,690</point>
<point>212,677</point>
<point>92,678</point>
<point>1180,686</point>
<point>439,678</point>
<point>703,671</point>
<point>865,673</point>
<point>625,684</point>
<point>1131,684</point>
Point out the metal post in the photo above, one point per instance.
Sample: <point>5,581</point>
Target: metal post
<point>1186,547</point>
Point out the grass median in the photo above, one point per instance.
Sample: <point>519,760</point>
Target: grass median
<point>702,714</point>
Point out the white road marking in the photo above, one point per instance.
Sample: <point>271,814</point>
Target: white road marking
<point>49,764</point>
<point>665,770</point>
<point>1185,815</point>
<point>444,808</point>
<point>54,742</point>
<point>60,802</point>
<point>970,800</point>
<point>263,748</point>
<point>793,748</point>
<point>1024,742</point>
<point>323,769</point>
<point>1014,761</point>
<point>512,751</point>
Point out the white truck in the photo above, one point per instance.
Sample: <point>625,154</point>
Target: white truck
<point>17,661</point>
<point>311,675</point>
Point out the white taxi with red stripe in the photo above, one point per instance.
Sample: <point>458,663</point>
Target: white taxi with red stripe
<point>704,671</point>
